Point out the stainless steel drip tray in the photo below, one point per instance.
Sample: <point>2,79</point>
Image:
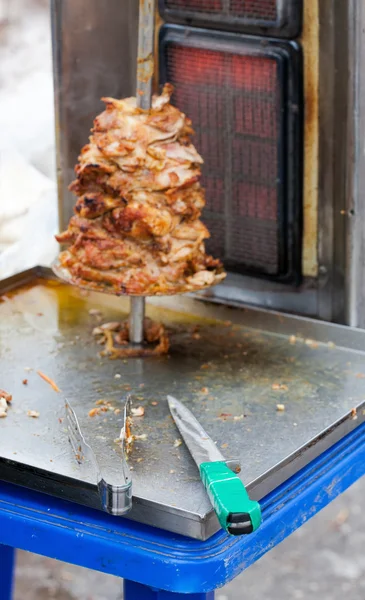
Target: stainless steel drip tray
<point>231,366</point>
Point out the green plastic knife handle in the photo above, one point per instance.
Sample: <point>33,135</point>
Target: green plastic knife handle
<point>237,513</point>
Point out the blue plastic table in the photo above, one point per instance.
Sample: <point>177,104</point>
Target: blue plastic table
<point>158,565</point>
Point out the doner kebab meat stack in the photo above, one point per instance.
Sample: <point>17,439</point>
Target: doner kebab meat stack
<point>136,228</point>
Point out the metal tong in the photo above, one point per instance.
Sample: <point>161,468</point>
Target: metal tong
<point>115,491</point>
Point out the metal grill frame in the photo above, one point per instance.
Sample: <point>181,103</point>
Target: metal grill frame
<point>288,24</point>
<point>289,57</point>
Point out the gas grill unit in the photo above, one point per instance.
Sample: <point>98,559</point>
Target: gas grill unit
<point>274,89</point>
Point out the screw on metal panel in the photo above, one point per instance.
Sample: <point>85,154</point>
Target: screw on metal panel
<point>322,270</point>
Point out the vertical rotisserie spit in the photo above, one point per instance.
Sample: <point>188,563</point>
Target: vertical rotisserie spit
<point>136,229</point>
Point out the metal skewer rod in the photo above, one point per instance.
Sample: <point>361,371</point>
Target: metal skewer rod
<point>136,319</point>
<point>145,68</point>
<point>145,58</point>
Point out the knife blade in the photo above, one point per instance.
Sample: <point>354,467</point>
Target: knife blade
<point>236,512</point>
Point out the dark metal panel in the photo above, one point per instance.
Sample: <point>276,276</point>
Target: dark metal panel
<point>354,212</point>
<point>342,119</point>
<point>94,52</point>
<point>301,300</point>
<point>326,166</point>
<point>334,115</point>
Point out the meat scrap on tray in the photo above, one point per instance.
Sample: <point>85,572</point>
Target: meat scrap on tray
<point>136,228</point>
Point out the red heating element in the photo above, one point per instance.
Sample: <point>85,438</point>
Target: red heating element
<point>265,10</point>
<point>235,104</point>
<point>196,5</point>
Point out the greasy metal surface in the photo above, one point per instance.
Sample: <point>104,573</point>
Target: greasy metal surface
<point>219,369</point>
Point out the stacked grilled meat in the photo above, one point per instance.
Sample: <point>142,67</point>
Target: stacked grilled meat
<point>136,228</point>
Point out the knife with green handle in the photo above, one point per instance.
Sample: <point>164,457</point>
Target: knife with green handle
<point>236,512</point>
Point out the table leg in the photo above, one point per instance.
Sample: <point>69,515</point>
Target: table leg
<point>7,556</point>
<point>137,591</point>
